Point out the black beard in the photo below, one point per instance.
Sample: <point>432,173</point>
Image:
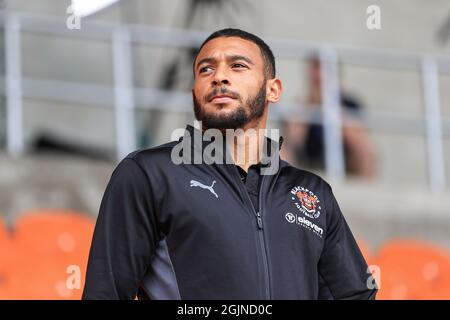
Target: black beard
<point>236,119</point>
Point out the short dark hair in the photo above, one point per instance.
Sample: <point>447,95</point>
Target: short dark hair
<point>266,52</point>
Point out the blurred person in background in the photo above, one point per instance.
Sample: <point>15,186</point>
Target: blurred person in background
<point>304,142</point>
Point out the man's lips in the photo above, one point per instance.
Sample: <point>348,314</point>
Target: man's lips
<point>221,99</point>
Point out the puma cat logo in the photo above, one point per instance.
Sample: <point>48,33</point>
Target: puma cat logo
<point>195,183</point>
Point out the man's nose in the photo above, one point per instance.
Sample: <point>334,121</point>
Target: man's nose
<point>220,77</point>
<point>219,82</point>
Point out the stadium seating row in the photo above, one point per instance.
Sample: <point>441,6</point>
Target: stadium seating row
<point>45,256</point>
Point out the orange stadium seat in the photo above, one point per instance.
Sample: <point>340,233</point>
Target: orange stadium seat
<point>59,231</point>
<point>4,260</point>
<point>43,245</point>
<point>412,269</point>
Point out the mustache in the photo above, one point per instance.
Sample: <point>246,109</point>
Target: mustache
<point>222,90</point>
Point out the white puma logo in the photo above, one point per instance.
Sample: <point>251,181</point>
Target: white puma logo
<point>195,183</point>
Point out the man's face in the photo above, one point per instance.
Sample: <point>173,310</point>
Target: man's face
<point>230,86</point>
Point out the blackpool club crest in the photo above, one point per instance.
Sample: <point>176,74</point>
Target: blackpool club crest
<point>306,201</point>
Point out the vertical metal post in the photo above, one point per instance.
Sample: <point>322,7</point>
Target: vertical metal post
<point>14,118</point>
<point>331,114</point>
<point>435,151</point>
<point>124,94</point>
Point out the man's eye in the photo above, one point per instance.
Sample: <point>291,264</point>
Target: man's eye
<point>239,65</point>
<point>204,69</point>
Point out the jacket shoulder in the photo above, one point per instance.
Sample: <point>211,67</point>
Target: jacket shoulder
<point>153,156</point>
<point>142,154</point>
<point>313,177</point>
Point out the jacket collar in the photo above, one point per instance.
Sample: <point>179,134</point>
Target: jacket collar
<point>198,144</point>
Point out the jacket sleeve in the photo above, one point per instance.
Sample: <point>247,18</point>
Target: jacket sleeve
<point>341,266</point>
<point>125,235</point>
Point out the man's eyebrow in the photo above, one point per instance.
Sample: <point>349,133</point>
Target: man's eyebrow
<point>238,57</point>
<point>229,58</point>
<point>205,60</point>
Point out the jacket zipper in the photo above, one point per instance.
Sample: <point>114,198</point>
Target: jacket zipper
<point>261,237</point>
<point>263,242</point>
<point>261,234</point>
<point>259,220</point>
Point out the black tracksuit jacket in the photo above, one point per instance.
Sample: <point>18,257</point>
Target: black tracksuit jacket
<point>159,237</point>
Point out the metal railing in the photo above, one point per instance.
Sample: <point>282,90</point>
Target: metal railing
<point>126,98</point>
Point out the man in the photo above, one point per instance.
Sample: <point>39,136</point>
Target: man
<point>223,230</point>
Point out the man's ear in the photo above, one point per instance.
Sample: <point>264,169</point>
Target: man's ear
<point>274,87</point>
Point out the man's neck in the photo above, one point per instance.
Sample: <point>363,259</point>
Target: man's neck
<point>247,147</point>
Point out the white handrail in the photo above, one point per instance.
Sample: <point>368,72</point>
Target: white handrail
<point>127,97</point>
